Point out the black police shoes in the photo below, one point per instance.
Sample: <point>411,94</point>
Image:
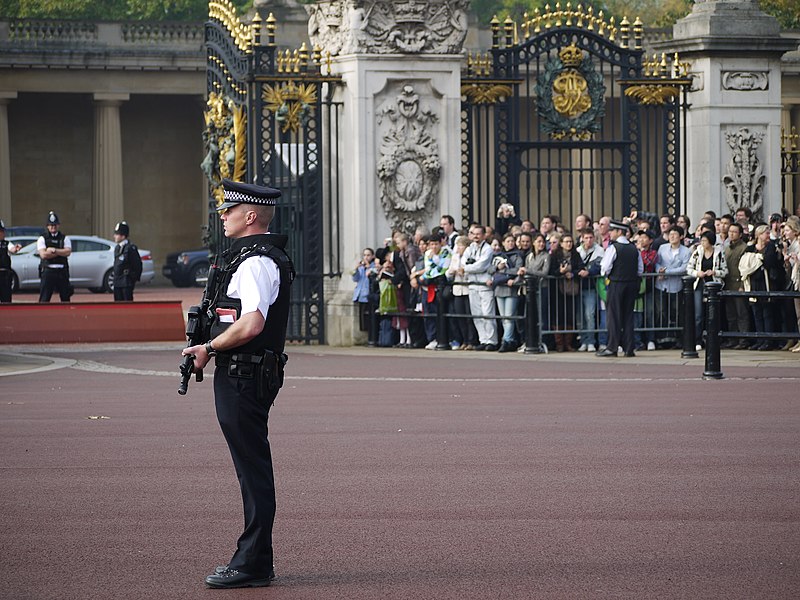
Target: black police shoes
<point>606,352</point>
<point>231,578</point>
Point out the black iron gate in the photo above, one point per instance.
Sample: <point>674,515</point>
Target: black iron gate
<point>271,120</point>
<point>571,118</point>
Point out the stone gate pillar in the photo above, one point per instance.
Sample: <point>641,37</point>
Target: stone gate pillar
<point>5,159</point>
<point>400,157</point>
<point>107,198</point>
<point>733,125</point>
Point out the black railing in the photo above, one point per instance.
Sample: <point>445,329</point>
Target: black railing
<point>657,318</point>
<point>558,312</point>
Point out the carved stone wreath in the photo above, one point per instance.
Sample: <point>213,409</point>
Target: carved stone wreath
<point>408,165</point>
<point>570,96</point>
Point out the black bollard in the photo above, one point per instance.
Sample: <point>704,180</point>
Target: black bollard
<point>713,366</point>
<point>689,338</point>
<point>442,343</point>
<point>533,332</point>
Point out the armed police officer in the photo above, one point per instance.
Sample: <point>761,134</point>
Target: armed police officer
<point>127,264</point>
<point>54,248</point>
<point>249,310</point>
<point>6,275</point>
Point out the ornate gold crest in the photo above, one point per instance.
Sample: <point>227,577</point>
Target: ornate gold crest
<point>570,96</point>
<point>290,103</point>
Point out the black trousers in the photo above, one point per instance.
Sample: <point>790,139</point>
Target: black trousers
<point>619,316</point>
<point>5,285</point>
<point>243,420</point>
<point>55,280</point>
<point>123,294</point>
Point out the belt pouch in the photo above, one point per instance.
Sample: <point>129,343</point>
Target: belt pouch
<point>244,366</point>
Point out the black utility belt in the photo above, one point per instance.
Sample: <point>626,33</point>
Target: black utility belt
<point>239,358</point>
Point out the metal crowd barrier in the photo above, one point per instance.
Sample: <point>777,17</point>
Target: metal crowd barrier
<point>663,317</point>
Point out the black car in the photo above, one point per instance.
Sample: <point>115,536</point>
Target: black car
<point>187,268</point>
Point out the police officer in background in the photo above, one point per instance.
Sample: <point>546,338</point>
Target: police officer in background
<point>622,265</point>
<point>250,308</point>
<point>54,248</point>
<point>127,264</point>
<point>6,276</point>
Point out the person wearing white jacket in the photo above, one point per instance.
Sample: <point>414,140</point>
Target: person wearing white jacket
<point>476,266</point>
<point>707,263</point>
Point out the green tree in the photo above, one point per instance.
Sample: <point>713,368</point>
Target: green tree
<point>786,11</point>
<point>653,13</point>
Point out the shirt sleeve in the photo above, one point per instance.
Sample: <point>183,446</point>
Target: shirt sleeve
<point>256,283</point>
<point>608,260</point>
<point>67,242</point>
<point>40,245</point>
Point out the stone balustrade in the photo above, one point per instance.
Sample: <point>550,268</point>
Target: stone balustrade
<point>47,32</point>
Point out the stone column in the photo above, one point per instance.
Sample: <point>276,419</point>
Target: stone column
<point>5,159</point>
<point>733,126</point>
<point>107,199</point>
<point>400,63</point>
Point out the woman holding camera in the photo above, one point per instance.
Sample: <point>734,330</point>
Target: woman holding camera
<point>566,265</point>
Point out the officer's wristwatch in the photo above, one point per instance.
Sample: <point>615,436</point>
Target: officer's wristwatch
<point>210,349</point>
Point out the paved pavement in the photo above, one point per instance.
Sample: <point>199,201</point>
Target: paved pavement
<point>407,474</point>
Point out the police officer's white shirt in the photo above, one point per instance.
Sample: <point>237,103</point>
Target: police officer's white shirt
<point>41,245</point>
<point>256,283</point>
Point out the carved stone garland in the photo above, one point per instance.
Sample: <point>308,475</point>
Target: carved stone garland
<point>744,178</point>
<point>388,26</point>
<point>408,163</point>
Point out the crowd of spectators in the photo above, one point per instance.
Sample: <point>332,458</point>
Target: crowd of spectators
<point>480,273</point>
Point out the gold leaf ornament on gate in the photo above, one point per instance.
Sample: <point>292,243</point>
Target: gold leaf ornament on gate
<point>570,88</point>
<point>653,93</point>
<point>225,142</point>
<point>290,103</point>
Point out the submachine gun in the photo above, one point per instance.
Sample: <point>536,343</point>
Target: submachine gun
<point>198,329</point>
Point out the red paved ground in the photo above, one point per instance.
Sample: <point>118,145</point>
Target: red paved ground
<point>509,479</point>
